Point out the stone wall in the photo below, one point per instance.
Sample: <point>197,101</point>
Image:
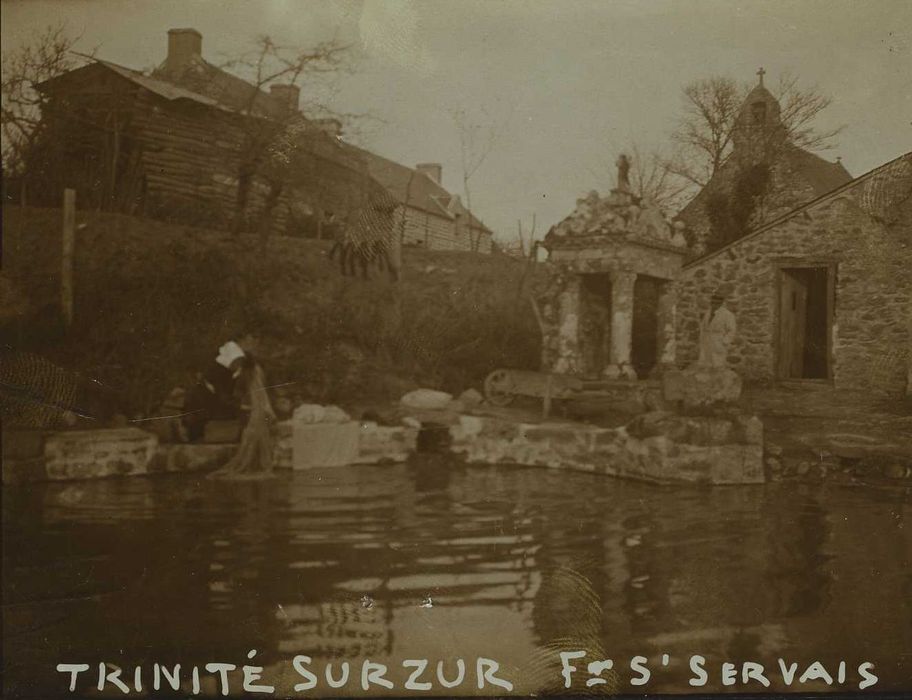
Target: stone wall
<point>871,343</point>
<point>658,447</point>
<point>90,454</point>
<point>559,308</point>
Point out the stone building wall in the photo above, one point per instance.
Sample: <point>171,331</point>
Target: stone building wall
<point>559,310</point>
<point>871,343</point>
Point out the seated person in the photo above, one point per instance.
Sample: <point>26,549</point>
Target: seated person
<point>213,397</point>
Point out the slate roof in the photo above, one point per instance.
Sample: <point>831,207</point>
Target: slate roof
<point>414,188</point>
<point>896,169</point>
<point>821,174</point>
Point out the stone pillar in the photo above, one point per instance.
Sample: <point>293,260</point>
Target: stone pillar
<point>666,312</point>
<point>621,325</point>
<point>568,327</point>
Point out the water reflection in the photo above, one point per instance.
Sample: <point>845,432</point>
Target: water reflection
<point>435,560</point>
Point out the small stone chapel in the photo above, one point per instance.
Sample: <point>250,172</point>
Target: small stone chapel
<point>820,294</point>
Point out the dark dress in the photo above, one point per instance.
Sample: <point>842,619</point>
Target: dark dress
<point>211,398</point>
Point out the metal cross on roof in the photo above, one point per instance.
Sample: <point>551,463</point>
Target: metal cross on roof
<point>761,73</point>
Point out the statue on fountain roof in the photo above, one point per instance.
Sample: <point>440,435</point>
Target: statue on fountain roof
<point>623,180</point>
<point>621,213</point>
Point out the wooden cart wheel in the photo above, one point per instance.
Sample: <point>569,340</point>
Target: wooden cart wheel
<point>498,386</point>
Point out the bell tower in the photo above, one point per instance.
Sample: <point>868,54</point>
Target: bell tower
<point>758,126</point>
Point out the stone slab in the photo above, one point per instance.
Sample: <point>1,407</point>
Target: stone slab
<point>91,454</point>
<point>698,387</point>
<point>381,443</point>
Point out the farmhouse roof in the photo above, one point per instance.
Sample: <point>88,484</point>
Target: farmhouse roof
<point>415,189</point>
<point>199,76</point>
<point>162,88</point>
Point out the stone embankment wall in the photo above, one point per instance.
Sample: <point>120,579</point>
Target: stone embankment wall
<point>659,447</point>
<point>871,333</point>
<point>94,454</point>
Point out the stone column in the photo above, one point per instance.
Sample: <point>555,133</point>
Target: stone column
<point>621,325</point>
<point>666,312</point>
<point>567,361</point>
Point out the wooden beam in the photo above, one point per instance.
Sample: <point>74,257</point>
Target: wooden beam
<point>69,244</point>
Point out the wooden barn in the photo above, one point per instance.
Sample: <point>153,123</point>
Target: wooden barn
<point>194,144</point>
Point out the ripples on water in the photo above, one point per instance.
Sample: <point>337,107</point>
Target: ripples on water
<point>435,560</point>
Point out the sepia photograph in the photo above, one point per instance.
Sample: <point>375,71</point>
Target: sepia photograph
<point>456,348</point>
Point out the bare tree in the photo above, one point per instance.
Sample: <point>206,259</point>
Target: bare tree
<point>46,56</point>
<point>527,244</point>
<point>705,133</point>
<point>476,141</point>
<point>523,243</point>
<point>269,135</point>
<point>651,178</point>
<point>295,146</point>
<point>800,107</point>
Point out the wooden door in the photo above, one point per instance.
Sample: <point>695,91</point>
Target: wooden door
<point>793,294</point>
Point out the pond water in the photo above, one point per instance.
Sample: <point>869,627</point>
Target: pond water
<point>435,560</point>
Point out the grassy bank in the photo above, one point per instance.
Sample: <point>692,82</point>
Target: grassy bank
<point>153,302</point>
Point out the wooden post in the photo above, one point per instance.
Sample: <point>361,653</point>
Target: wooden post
<point>546,403</point>
<point>69,244</point>
<point>538,316</point>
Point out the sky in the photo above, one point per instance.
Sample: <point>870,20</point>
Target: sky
<point>558,89</point>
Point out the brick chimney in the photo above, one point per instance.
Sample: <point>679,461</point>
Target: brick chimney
<point>183,46</point>
<point>288,95</point>
<point>432,170</point>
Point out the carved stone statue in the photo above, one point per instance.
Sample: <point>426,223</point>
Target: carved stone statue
<point>717,331</point>
<point>623,166</point>
<point>709,381</point>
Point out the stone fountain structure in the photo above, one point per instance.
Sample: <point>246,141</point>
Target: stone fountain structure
<point>599,251</point>
<point>687,425</point>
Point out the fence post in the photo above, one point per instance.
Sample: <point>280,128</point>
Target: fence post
<point>546,402</point>
<point>69,243</point>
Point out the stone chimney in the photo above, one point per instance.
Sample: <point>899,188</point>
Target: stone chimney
<point>432,170</point>
<point>288,95</point>
<point>183,46</point>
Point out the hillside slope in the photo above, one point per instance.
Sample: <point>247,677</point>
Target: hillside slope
<point>154,301</point>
